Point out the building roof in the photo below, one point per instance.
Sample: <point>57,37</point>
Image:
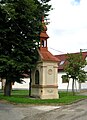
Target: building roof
<point>47,56</point>
<point>63,57</point>
<point>43,51</point>
<point>44,35</point>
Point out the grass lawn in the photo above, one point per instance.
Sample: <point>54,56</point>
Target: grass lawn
<point>21,96</point>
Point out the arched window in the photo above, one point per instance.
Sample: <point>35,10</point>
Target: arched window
<point>37,77</point>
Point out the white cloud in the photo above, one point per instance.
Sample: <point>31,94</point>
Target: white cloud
<point>68,26</point>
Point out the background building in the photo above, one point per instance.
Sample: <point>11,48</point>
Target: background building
<point>62,84</point>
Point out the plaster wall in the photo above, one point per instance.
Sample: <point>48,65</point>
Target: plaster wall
<point>45,93</point>
<point>25,84</point>
<point>63,86</point>
<point>0,85</point>
<point>48,84</point>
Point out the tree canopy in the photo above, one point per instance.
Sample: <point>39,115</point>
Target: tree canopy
<point>20,26</point>
<point>74,68</point>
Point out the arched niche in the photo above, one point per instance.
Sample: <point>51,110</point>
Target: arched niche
<point>37,77</point>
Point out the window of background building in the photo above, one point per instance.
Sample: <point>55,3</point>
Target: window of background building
<point>65,79</point>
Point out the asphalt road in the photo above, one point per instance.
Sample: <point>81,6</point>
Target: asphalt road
<point>76,111</point>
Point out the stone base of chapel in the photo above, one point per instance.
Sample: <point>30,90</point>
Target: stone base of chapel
<point>45,93</point>
<point>49,96</point>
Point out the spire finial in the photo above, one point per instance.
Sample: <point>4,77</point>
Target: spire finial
<point>42,19</point>
<point>43,23</point>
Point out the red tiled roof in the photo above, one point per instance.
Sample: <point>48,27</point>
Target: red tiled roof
<point>84,55</point>
<point>43,51</point>
<point>47,56</point>
<point>44,35</point>
<point>63,57</point>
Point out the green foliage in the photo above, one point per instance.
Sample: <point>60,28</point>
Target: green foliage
<point>20,26</point>
<point>74,68</point>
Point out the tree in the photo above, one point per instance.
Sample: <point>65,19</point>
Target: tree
<point>74,68</point>
<point>20,26</point>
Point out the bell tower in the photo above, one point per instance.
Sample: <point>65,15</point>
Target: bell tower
<point>43,37</point>
<point>44,77</point>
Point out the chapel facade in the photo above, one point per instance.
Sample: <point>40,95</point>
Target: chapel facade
<point>44,76</point>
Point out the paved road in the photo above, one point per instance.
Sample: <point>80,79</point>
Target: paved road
<point>76,111</point>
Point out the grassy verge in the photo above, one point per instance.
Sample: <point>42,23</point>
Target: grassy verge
<point>21,96</point>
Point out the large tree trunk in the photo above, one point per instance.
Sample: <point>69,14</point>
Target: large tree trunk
<point>7,88</point>
<point>30,84</point>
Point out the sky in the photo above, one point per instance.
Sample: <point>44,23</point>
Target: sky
<point>67,29</point>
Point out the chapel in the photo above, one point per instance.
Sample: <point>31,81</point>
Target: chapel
<point>45,75</point>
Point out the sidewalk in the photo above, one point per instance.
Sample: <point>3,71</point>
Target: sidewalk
<point>83,93</point>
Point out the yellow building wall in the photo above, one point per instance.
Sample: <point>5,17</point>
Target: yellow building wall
<point>48,82</point>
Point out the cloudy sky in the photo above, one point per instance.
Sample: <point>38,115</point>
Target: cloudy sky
<point>68,26</point>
